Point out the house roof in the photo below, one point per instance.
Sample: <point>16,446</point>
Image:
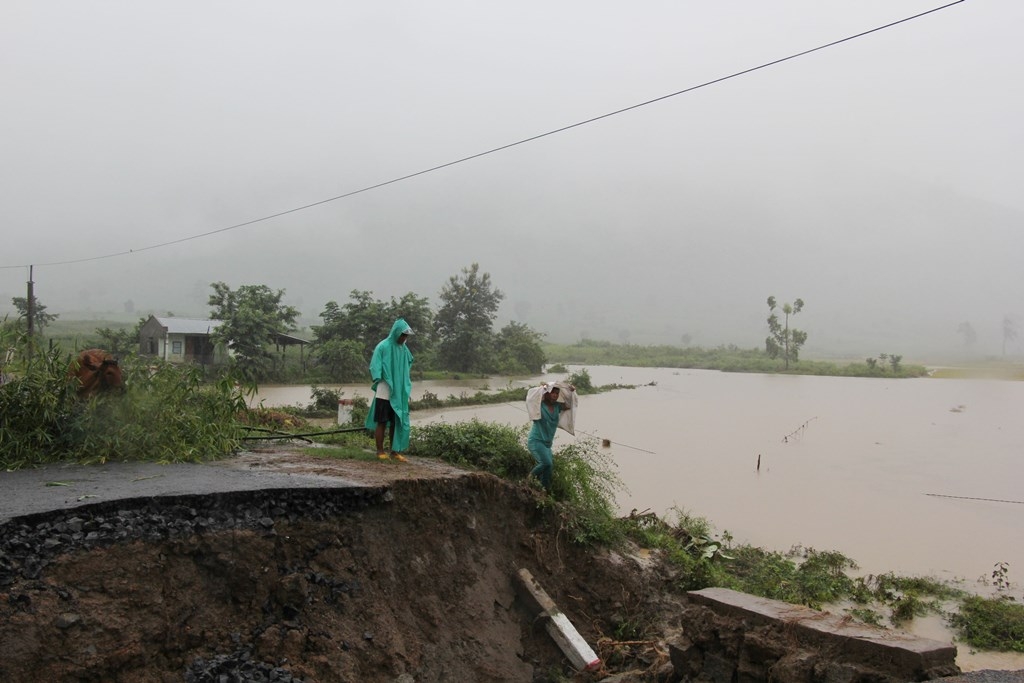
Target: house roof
<point>197,326</point>
<point>289,340</point>
<point>188,325</point>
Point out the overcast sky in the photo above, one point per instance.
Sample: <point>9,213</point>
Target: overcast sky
<point>878,180</point>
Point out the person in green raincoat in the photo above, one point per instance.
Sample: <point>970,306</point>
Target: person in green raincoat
<point>392,385</point>
<point>551,406</point>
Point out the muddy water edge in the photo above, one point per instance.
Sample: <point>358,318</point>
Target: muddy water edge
<point>919,477</point>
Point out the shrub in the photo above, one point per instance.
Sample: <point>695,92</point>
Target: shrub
<point>494,448</point>
<point>324,399</point>
<point>991,623</point>
<point>581,380</point>
<point>165,414</point>
<point>584,479</point>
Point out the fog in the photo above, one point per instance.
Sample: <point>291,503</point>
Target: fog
<point>878,180</point>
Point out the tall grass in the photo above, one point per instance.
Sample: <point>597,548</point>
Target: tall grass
<point>165,414</point>
<point>583,484</point>
<point>725,358</point>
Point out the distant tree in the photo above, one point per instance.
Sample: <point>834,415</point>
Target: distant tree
<point>40,318</point>
<point>342,360</point>
<point>120,342</point>
<point>360,320</point>
<point>417,312</point>
<point>365,321</point>
<point>517,349</point>
<point>1009,331</point>
<point>781,340</point>
<point>251,317</point>
<point>966,330</point>
<point>469,304</point>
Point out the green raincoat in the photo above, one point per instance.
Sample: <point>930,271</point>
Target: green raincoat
<point>391,362</point>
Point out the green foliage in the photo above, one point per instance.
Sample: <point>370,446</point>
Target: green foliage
<point>584,479</point>
<point>725,358</point>
<point>40,318</point>
<point>509,394</point>
<point>122,341</point>
<point>518,350</point>
<point>324,399</point>
<point>464,321</point>
<point>991,623</point>
<point>583,482</point>
<point>906,597</point>
<point>802,576</point>
<point>1000,574</point>
<point>251,316</point>
<point>344,343</point>
<point>966,330</point>
<point>164,415</point>
<point>360,409</point>
<point>340,360</point>
<point>581,380</point>
<point>781,339</point>
<point>1009,331</point>
<point>557,367</point>
<point>35,409</point>
<point>494,448</point>
<point>821,577</point>
<point>867,615</point>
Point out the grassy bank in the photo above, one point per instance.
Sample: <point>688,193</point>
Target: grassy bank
<point>724,358</point>
<point>167,415</point>
<point>583,493</point>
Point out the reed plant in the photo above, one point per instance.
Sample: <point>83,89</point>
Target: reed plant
<point>165,414</point>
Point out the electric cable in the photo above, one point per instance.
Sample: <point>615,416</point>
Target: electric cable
<point>990,500</point>
<point>500,148</point>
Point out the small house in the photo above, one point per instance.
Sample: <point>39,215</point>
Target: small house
<point>181,340</point>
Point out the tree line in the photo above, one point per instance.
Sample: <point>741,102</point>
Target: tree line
<point>458,336</point>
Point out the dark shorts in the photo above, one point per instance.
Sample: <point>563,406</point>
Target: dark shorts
<point>382,411</point>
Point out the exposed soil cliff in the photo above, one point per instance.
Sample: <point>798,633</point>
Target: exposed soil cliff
<point>408,579</point>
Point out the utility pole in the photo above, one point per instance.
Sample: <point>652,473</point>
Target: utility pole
<point>31,311</point>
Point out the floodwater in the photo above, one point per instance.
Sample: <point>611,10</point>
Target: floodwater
<point>916,476</point>
<point>922,476</point>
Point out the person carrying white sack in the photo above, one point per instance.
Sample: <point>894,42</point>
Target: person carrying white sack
<point>551,406</point>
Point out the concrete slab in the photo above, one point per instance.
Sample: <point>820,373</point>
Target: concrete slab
<point>859,640</point>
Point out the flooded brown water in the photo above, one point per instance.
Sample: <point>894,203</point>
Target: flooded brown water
<point>901,475</point>
<point>922,476</point>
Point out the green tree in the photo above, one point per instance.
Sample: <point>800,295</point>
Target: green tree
<point>966,330</point>
<point>342,360</point>
<point>781,339</point>
<point>417,312</point>
<point>894,361</point>
<point>364,321</point>
<point>469,304</point>
<point>518,349</point>
<point>1009,331</point>
<point>120,342</point>
<point>251,317</point>
<point>40,318</point>
<point>360,320</point>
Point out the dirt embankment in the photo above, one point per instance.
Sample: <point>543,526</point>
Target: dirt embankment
<point>409,580</point>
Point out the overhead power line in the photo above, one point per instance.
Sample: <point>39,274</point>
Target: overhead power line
<point>501,148</point>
